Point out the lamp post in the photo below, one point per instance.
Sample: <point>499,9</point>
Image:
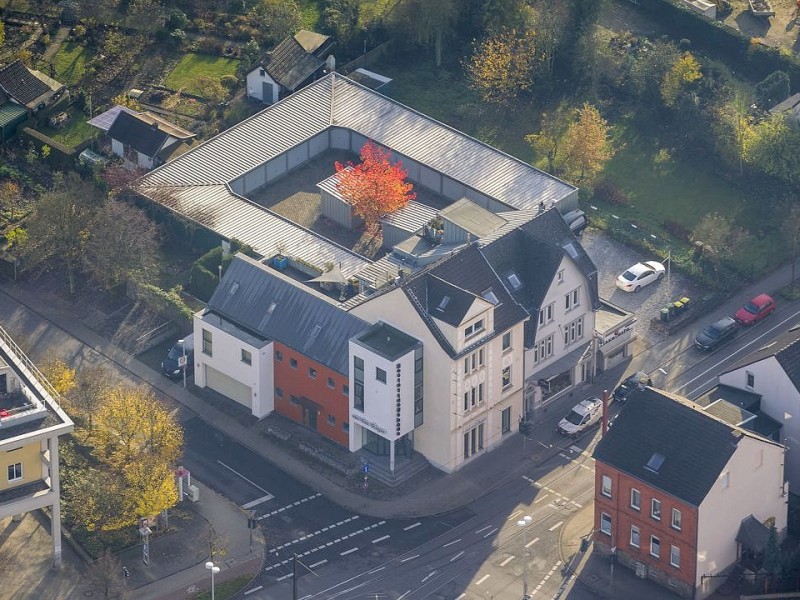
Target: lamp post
<point>214,570</point>
<point>523,523</point>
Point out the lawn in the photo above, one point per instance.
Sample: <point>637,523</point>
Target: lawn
<point>74,132</point>
<point>69,63</point>
<point>192,66</point>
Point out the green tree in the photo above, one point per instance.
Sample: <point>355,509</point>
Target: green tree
<point>84,398</point>
<point>649,68</point>
<point>547,141</point>
<point>276,19</point>
<point>790,230</point>
<point>427,23</point>
<point>341,18</point>
<point>501,67</point>
<point>586,146</point>
<point>718,234</point>
<point>683,72</point>
<point>771,90</point>
<point>772,558</point>
<point>2,33</point>
<point>772,146</point>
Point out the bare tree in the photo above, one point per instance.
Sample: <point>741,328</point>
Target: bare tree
<point>91,385</point>
<point>106,577</point>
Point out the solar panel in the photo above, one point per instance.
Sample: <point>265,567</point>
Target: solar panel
<point>106,119</point>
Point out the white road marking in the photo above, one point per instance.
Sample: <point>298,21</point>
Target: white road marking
<point>346,552</point>
<point>529,480</point>
<point>492,532</point>
<point>284,577</point>
<point>380,539</point>
<point>404,595</point>
<point>457,556</point>
<point>257,501</point>
<point>410,558</point>
<point>375,570</point>
<point>428,576</point>
<point>417,524</point>
<point>532,542</point>
<point>255,589</point>
<point>556,526</point>
<point>283,508</point>
<point>482,579</point>
<point>451,543</point>
<point>506,561</point>
<point>318,563</point>
<point>483,529</point>
<point>310,535</point>
<point>540,498</point>
<point>461,596</point>
<point>255,485</point>
<point>514,514</point>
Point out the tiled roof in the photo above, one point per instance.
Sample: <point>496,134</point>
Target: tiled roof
<point>22,84</point>
<point>290,65</point>
<point>786,350</point>
<point>694,445</point>
<point>132,131</point>
<point>261,300</point>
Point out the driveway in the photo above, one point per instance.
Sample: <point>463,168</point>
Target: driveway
<point>612,258</point>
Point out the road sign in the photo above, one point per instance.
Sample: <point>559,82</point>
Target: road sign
<point>182,361</point>
<point>365,468</point>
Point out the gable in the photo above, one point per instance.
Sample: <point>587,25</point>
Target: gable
<point>21,83</point>
<point>135,133</point>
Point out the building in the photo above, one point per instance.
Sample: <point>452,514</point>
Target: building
<point>292,64</point>
<point>674,492</point>
<point>771,377</point>
<point>143,140</point>
<point>23,92</point>
<point>480,268</point>
<point>30,424</point>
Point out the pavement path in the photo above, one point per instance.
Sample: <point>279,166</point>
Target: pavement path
<point>55,43</point>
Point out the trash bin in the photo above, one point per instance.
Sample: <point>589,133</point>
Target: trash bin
<point>678,307</point>
<point>665,314</point>
<point>686,302</point>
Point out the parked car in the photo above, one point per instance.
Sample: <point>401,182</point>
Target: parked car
<point>716,334</point>
<point>640,275</point>
<point>758,308</point>
<point>583,415</point>
<point>634,382</point>
<point>171,363</point>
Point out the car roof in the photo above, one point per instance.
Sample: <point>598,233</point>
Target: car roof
<point>724,322</point>
<point>761,299</point>
<point>639,268</point>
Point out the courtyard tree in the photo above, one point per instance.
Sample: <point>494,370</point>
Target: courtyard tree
<point>586,146</point>
<point>374,187</point>
<point>546,142</point>
<point>60,225</point>
<point>59,374</point>
<point>122,245</point>
<point>683,72</point>
<point>83,399</point>
<point>501,66</point>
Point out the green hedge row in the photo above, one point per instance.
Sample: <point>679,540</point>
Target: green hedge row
<point>204,274</point>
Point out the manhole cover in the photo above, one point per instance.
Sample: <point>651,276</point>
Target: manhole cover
<point>592,578</point>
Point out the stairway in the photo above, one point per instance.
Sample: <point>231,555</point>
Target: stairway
<point>404,468</point>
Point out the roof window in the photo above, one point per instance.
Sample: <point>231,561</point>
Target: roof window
<point>514,281</point>
<point>443,303</point>
<point>490,296</point>
<point>571,250</point>
<point>655,462</point>
<point>233,288</point>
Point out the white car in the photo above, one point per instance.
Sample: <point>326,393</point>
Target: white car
<point>640,275</point>
<point>583,415</point>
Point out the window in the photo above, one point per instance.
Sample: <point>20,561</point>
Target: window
<point>675,556</point>
<point>506,341</point>
<point>476,327</point>
<point>247,358</point>
<point>331,383</point>
<point>293,401</point>
<point>605,523</point>
<point>331,420</point>
<point>573,331</point>
<point>676,519</point>
<point>726,479</point>
<point>207,342</point>
<point>606,490</point>
<point>514,281</point>
<point>346,427</point>
<point>751,379</point>
<point>655,509</point>
<point>655,546</point>
<point>15,472</point>
<point>473,362</point>
<point>507,378</point>
<point>636,499</point>
<point>505,418</point>
<point>293,363</point>
<point>572,299</point>
<point>358,379</point>
<point>346,390</point>
<point>380,374</point>
<point>543,350</point>
<point>546,314</point>
<point>312,372</point>
<point>473,441</point>
<point>473,397</point>
<point>279,392</point>
<point>634,536</point>
<point>560,276</point>
<point>278,355</point>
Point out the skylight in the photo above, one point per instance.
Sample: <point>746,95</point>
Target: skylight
<point>655,462</point>
<point>233,288</point>
<point>271,308</point>
<point>443,303</point>
<point>571,250</point>
<point>514,281</point>
<point>490,296</point>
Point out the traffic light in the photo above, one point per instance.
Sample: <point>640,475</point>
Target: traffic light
<point>126,572</point>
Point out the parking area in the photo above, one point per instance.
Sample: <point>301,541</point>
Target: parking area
<point>612,258</point>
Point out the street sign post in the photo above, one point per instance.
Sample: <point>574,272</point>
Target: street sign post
<point>182,362</point>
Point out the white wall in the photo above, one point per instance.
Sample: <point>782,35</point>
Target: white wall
<point>779,398</point>
<point>255,86</point>
<point>755,483</point>
<point>117,148</point>
<point>226,357</point>
<point>144,161</point>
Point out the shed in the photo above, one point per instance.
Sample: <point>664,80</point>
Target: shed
<point>333,206</point>
<point>404,222</point>
<point>11,115</point>
<point>372,80</point>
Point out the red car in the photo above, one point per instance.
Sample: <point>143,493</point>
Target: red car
<point>755,310</point>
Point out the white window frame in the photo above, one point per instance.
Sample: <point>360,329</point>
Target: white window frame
<point>505,378</point>
<point>547,314</point>
<point>572,299</point>
<point>749,380</point>
<point>725,479</point>
<point>638,504</point>
<point>17,468</point>
<point>473,329</point>
<point>247,357</point>
<point>655,514</point>
<point>506,341</point>
<point>637,531</point>
<point>605,486</point>
<point>560,276</point>
<point>655,543</point>
<point>675,556</point>
<point>573,331</point>
<point>543,349</point>
<point>605,523</point>
<point>675,521</point>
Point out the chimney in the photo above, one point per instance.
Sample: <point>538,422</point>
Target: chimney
<point>605,412</point>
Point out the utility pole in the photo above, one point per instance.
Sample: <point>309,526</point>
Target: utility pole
<point>294,576</point>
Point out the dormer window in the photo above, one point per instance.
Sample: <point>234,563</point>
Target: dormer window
<point>514,281</point>
<point>443,303</point>
<point>476,327</point>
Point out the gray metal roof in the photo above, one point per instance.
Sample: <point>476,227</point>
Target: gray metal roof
<point>472,218</point>
<point>265,302</point>
<point>217,208</point>
<point>411,217</point>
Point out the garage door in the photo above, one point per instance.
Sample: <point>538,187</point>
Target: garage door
<point>228,386</point>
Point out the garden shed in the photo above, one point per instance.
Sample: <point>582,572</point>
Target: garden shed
<point>405,222</point>
<point>334,206</point>
<point>11,115</point>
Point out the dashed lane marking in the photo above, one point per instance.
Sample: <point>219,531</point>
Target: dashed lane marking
<point>283,508</point>
<point>451,543</point>
<point>546,577</point>
<point>492,532</point>
<point>457,556</point>
<point>532,542</point>
<point>482,529</point>
<point>255,589</point>
<point>257,501</point>
<point>375,570</point>
<point>380,539</point>
<point>410,527</point>
<point>409,558</point>
<point>561,496</point>
<point>556,526</point>
<point>482,579</point>
<point>506,561</point>
<point>514,514</point>
<point>540,498</point>
<point>428,576</point>
<point>319,563</point>
<point>346,552</point>
<point>318,532</point>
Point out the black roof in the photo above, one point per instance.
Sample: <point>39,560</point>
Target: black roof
<point>21,84</point>
<point>266,303</point>
<point>463,276</point>
<point>139,135</point>
<point>786,350</point>
<point>290,65</point>
<point>533,252</point>
<point>388,341</point>
<point>694,445</point>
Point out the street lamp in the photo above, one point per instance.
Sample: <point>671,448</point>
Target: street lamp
<point>523,523</point>
<point>214,570</point>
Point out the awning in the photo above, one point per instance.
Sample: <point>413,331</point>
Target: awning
<point>332,276</point>
<point>753,534</point>
<point>564,363</point>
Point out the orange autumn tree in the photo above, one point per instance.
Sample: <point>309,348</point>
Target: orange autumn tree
<point>375,187</point>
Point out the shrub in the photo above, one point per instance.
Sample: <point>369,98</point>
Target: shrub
<point>202,282</point>
<point>229,82</point>
<point>606,191</point>
<point>677,230</point>
<point>209,46</point>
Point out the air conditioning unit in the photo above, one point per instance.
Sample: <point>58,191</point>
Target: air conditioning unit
<point>193,493</point>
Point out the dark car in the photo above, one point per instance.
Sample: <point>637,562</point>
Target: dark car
<point>171,366</point>
<point>716,334</point>
<point>758,308</point>
<point>634,382</point>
